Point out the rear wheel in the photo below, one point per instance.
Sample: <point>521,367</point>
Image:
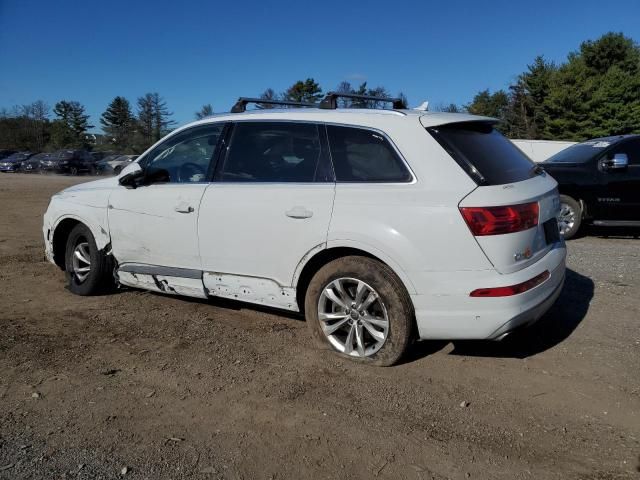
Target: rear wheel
<point>88,270</point>
<point>570,217</point>
<point>359,308</point>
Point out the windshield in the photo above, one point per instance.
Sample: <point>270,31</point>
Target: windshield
<point>580,153</point>
<point>17,156</point>
<point>40,156</point>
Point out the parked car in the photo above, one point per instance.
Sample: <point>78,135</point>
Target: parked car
<point>5,153</point>
<point>73,162</point>
<point>32,164</point>
<point>599,183</point>
<point>13,163</point>
<point>113,164</point>
<point>97,156</point>
<point>380,225</point>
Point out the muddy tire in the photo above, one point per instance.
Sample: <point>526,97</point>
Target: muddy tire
<point>570,217</point>
<point>88,270</point>
<point>359,308</point>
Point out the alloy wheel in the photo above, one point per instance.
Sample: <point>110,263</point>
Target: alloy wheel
<point>566,218</point>
<point>353,317</point>
<point>81,260</point>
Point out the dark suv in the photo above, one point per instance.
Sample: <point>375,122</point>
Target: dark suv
<point>599,183</point>
<point>68,161</point>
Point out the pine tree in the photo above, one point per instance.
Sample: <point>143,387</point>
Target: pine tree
<point>118,123</point>
<point>153,120</point>
<point>304,91</point>
<point>145,122</point>
<point>491,105</point>
<point>71,126</point>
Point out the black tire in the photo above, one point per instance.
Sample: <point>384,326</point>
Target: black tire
<point>568,204</point>
<point>392,293</point>
<point>100,275</point>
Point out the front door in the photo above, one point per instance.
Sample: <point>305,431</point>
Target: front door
<point>620,196</point>
<point>155,224</point>
<point>269,207</point>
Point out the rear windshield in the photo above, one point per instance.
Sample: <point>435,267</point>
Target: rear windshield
<point>484,153</point>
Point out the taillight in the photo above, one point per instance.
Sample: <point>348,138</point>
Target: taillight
<point>501,220</point>
<point>512,289</point>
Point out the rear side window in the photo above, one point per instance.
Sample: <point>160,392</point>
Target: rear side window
<point>488,157</point>
<point>272,152</point>
<point>361,155</point>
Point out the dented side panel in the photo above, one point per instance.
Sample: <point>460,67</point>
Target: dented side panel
<point>191,287</point>
<point>261,291</point>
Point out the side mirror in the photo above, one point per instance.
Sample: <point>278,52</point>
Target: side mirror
<point>620,161</point>
<point>131,175</point>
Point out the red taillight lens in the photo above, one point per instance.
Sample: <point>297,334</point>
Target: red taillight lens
<point>500,220</point>
<point>513,289</point>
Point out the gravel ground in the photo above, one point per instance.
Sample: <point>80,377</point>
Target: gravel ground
<point>138,385</point>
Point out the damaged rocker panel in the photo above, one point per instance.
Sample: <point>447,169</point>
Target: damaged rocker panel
<point>195,283</point>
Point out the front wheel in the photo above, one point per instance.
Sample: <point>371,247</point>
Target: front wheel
<point>358,307</point>
<point>88,270</point>
<point>570,217</point>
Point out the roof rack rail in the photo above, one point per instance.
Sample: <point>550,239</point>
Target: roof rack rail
<point>329,101</point>
<point>241,105</point>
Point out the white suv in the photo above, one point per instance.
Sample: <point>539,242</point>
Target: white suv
<point>380,225</point>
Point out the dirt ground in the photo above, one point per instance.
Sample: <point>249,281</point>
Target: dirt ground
<point>139,385</point>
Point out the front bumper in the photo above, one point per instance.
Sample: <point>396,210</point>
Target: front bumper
<point>8,168</point>
<point>450,313</point>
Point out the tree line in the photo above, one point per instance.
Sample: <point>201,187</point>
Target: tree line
<point>309,91</point>
<point>594,93</point>
<point>29,127</point>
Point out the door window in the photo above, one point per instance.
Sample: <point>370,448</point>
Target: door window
<point>361,155</point>
<point>184,157</point>
<point>272,152</point>
<point>631,148</point>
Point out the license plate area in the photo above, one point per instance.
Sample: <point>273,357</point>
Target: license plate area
<point>551,231</point>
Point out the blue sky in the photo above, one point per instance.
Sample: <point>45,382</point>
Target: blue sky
<point>196,52</point>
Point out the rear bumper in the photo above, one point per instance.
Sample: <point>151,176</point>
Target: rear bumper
<point>450,313</point>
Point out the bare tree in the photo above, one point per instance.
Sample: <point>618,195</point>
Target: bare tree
<point>205,111</point>
<point>268,94</point>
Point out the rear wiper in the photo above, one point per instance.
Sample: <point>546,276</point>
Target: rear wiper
<point>538,170</point>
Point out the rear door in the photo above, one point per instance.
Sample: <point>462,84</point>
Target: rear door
<point>269,207</point>
<point>512,213</point>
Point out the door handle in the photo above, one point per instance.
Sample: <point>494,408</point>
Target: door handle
<point>299,212</point>
<point>184,208</point>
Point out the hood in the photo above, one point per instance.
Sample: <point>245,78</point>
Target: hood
<point>95,185</point>
<point>93,194</point>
